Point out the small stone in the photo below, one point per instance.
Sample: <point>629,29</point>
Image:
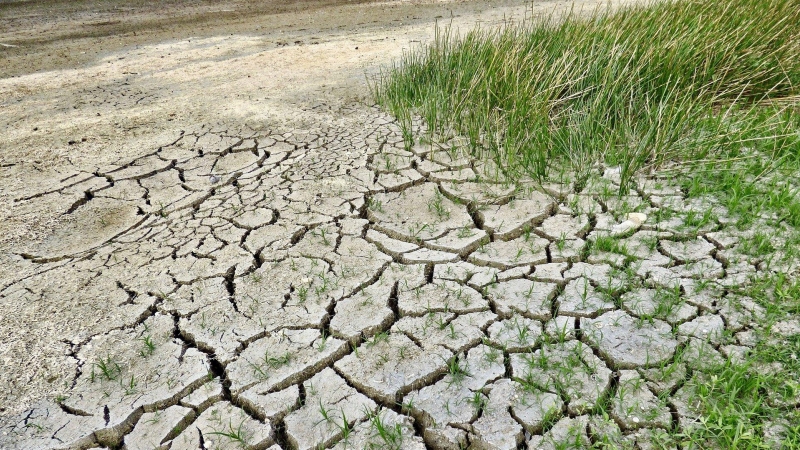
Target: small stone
<point>638,218</point>
<point>632,223</point>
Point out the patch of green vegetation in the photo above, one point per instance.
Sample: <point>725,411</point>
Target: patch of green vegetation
<point>714,89</point>
<point>268,362</point>
<point>436,206</point>
<point>149,346</point>
<point>739,400</point>
<point>390,436</point>
<point>108,368</point>
<point>457,370</point>
<point>235,435</point>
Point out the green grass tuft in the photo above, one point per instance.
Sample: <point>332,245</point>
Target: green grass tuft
<point>637,87</point>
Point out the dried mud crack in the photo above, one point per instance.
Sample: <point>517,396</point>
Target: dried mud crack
<point>331,288</point>
<point>303,279</point>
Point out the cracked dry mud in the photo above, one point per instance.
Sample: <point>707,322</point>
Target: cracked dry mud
<point>298,302</point>
<point>324,286</point>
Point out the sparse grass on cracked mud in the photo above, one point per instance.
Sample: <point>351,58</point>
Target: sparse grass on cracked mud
<point>712,85</point>
<point>702,93</point>
<point>327,283</point>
